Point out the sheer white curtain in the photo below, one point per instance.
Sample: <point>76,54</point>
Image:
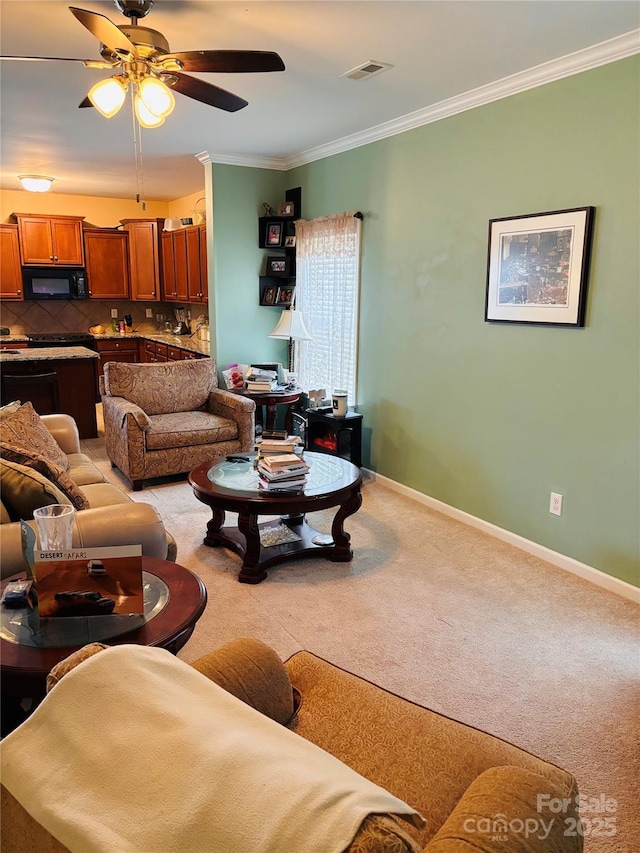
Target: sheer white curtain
<point>327,295</point>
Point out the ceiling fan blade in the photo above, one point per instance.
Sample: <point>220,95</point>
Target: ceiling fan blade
<point>92,62</point>
<point>207,93</point>
<point>229,61</point>
<point>85,103</point>
<point>105,31</point>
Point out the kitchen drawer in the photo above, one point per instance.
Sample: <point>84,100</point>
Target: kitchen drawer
<point>174,353</point>
<point>150,347</point>
<point>162,351</point>
<point>118,345</point>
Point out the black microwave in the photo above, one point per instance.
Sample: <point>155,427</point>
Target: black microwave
<point>54,283</point>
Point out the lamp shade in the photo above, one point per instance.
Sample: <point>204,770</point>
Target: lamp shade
<point>108,95</point>
<point>146,117</point>
<point>291,326</point>
<point>156,96</point>
<point>35,183</point>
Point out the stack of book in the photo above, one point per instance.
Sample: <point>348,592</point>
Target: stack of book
<point>259,380</point>
<point>283,471</point>
<point>270,446</point>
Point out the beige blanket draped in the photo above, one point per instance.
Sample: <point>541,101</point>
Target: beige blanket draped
<point>134,750</point>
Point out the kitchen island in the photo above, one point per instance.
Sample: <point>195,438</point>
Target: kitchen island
<point>53,379</point>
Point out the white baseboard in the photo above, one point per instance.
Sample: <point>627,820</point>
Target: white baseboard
<point>595,576</point>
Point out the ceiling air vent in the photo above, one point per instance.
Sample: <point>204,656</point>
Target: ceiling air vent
<point>367,69</point>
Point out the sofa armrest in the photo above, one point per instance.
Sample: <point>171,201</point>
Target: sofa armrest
<point>65,431</point>
<point>239,409</point>
<point>507,809</point>
<point>253,672</point>
<point>105,526</point>
<point>117,408</point>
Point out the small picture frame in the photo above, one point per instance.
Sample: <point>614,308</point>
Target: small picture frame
<point>286,208</point>
<point>285,296</point>
<point>290,242</point>
<point>274,234</point>
<point>269,295</point>
<point>279,265</point>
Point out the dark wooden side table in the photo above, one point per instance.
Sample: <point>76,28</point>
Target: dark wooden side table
<point>169,625</point>
<point>271,400</point>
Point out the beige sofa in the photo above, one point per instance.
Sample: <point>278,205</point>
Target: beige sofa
<point>162,419</point>
<point>475,791</point>
<point>112,518</point>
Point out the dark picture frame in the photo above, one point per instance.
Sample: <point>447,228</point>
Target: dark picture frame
<point>278,265</point>
<point>269,295</point>
<point>290,241</point>
<point>538,267</point>
<point>274,234</point>
<point>285,296</point>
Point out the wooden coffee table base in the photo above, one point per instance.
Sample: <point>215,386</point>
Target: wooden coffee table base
<point>245,540</point>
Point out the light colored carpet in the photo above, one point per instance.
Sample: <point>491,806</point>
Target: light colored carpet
<point>448,617</point>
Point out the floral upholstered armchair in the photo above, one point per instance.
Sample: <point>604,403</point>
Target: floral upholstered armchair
<point>166,418</point>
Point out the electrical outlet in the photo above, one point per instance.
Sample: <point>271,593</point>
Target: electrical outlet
<point>148,313</point>
<point>114,313</point>
<point>555,504</point>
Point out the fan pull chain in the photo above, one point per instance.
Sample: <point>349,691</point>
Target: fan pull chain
<point>137,154</point>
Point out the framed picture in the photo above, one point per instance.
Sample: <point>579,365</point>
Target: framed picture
<point>537,267</point>
<point>269,296</point>
<point>289,242</point>
<point>285,208</point>
<point>274,234</point>
<point>285,296</point>
<point>278,266</point>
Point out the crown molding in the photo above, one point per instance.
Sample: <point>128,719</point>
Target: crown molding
<point>603,53</point>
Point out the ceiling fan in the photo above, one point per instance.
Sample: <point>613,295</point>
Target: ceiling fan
<point>143,60</point>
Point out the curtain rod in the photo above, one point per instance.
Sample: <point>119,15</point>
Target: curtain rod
<point>358,215</point>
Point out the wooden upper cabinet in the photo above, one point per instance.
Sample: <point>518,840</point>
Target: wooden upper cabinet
<point>107,263</point>
<point>168,267</point>
<point>10,272</point>
<point>194,279</point>
<point>180,260</point>
<point>50,240</point>
<point>204,275</point>
<point>145,265</point>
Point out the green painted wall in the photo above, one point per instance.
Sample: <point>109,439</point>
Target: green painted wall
<point>491,418</point>
<point>241,324</point>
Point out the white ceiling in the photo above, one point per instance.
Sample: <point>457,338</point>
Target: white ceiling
<point>439,51</point>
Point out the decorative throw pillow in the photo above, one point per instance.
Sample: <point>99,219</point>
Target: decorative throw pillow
<point>39,463</point>
<point>24,489</point>
<point>9,409</point>
<point>24,429</point>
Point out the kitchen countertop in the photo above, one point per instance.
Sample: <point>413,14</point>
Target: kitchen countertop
<point>46,354</point>
<point>187,342</point>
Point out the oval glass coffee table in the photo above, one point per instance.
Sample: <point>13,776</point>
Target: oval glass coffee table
<point>233,487</point>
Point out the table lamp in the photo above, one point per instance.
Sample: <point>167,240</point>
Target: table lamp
<point>291,327</point>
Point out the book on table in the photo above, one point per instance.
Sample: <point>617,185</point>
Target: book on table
<point>282,485</point>
<point>281,473</point>
<point>283,460</point>
<point>270,446</point>
<point>260,387</point>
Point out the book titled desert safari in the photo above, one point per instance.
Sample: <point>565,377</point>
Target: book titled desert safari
<point>89,581</point>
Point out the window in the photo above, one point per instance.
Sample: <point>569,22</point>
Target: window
<point>327,294</point>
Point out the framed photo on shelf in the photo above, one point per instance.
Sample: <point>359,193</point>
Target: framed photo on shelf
<point>290,242</point>
<point>274,234</point>
<point>278,265</point>
<point>286,208</point>
<point>269,295</point>
<point>285,296</point>
<point>538,266</point>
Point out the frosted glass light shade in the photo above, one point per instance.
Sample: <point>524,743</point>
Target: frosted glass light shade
<point>35,183</point>
<point>108,96</point>
<point>156,96</point>
<point>145,117</point>
<point>291,326</point>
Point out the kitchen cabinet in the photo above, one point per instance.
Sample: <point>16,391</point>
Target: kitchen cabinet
<point>117,349</point>
<point>153,351</point>
<point>145,258</point>
<point>107,263</point>
<point>13,345</point>
<point>184,259</point>
<point>168,267</point>
<point>10,272</point>
<point>50,240</point>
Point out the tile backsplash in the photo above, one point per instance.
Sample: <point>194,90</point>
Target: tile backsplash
<point>36,316</point>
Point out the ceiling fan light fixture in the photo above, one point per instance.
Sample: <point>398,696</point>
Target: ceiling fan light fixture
<point>145,116</point>
<point>35,183</point>
<point>108,95</point>
<point>156,96</point>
